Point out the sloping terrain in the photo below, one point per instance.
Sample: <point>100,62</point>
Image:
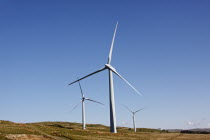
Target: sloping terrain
<point>73,131</point>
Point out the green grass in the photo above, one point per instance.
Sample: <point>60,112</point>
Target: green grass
<point>73,131</point>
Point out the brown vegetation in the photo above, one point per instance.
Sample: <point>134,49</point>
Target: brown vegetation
<point>73,131</point>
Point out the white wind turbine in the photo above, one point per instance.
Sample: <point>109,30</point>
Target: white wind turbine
<point>83,106</point>
<point>134,119</point>
<point>111,85</point>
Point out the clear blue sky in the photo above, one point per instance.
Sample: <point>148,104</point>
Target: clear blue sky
<point>162,47</point>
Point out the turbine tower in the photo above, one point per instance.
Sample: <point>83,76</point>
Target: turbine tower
<point>134,118</point>
<point>111,70</point>
<point>83,106</point>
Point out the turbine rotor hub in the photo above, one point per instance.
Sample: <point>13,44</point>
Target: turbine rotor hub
<point>110,67</point>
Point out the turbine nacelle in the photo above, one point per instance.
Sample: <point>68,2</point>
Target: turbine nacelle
<point>108,66</point>
<point>133,112</point>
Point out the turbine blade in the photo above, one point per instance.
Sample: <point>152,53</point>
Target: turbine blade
<point>76,106</point>
<point>127,82</point>
<point>128,108</point>
<point>80,88</point>
<point>88,75</point>
<point>112,45</point>
<point>93,101</point>
<point>139,110</point>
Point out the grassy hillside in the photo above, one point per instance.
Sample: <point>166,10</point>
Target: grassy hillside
<point>73,131</point>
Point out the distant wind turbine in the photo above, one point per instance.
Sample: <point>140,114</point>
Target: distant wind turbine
<point>111,85</point>
<point>83,106</point>
<point>134,119</point>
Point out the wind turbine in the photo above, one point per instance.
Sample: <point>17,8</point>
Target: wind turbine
<point>83,106</point>
<point>111,70</point>
<point>134,119</point>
